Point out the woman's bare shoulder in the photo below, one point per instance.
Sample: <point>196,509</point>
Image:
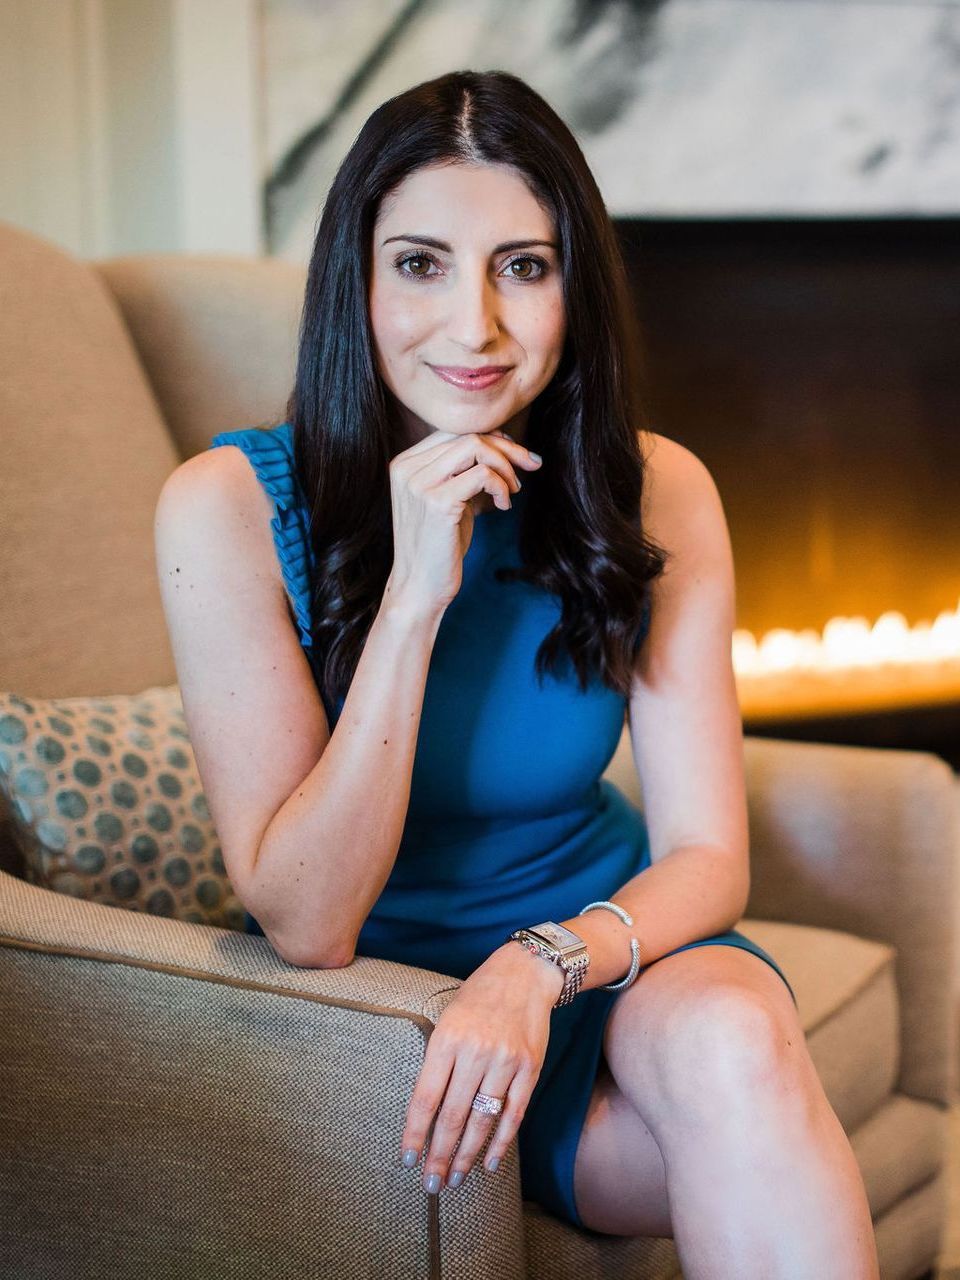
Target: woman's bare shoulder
<point>216,494</point>
<point>681,507</point>
<point>673,475</point>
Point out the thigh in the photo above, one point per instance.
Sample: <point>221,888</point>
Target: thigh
<point>620,1184</point>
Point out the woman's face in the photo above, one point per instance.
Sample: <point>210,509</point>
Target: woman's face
<point>465,275</point>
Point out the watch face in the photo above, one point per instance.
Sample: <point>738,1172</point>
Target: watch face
<point>557,934</point>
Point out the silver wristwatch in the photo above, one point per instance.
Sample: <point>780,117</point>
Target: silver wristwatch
<point>561,946</point>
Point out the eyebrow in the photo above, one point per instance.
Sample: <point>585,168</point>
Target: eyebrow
<point>432,243</point>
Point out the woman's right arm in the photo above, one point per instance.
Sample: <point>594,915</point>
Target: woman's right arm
<point>309,822</point>
<point>329,850</point>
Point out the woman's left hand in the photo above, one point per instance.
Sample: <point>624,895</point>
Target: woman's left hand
<point>491,1038</point>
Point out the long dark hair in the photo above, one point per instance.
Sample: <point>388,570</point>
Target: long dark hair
<point>581,536</point>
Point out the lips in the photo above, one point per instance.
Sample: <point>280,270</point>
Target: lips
<point>475,378</point>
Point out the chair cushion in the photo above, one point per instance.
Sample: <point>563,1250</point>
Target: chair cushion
<point>216,334</point>
<point>85,455</point>
<point>105,802</point>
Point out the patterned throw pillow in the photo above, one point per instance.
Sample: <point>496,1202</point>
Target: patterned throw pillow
<point>106,804</point>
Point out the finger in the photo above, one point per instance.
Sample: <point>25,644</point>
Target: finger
<point>514,1109</point>
<point>460,457</point>
<point>459,489</point>
<point>457,1114</point>
<point>434,439</point>
<point>519,453</point>
<point>479,1126</point>
<point>431,444</point>
<point>426,1098</point>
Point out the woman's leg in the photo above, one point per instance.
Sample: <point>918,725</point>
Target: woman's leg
<point>619,1181</point>
<point>759,1177</point>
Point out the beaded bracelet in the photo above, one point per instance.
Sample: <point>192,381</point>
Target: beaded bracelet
<point>634,946</point>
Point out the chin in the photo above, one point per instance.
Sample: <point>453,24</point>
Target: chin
<point>467,423</point>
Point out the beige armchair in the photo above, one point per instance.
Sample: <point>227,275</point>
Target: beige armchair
<point>175,1099</point>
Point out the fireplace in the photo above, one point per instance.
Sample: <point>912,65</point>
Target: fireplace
<point>814,366</point>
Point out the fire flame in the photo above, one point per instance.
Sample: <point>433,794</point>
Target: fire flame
<point>851,663</point>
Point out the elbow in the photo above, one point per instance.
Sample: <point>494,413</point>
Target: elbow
<point>312,953</point>
<point>307,957</point>
<point>303,944</point>
<point>334,960</point>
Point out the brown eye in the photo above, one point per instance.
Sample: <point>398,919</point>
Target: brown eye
<point>403,263</point>
<point>526,262</point>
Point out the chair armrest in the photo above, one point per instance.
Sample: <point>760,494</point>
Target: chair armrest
<point>866,841</point>
<point>177,1095</point>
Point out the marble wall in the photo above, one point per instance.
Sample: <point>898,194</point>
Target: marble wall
<point>684,108</point>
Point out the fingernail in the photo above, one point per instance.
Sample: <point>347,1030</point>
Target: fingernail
<point>492,1166</point>
<point>409,1158</point>
<point>455,1178</point>
<point>535,456</point>
<point>432,1183</point>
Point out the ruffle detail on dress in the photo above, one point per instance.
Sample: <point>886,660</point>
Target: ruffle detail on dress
<point>270,453</point>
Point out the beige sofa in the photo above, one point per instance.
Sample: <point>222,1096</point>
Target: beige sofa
<point>178,1101</point>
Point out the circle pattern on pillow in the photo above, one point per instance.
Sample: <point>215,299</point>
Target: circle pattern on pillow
<point>106,803</point>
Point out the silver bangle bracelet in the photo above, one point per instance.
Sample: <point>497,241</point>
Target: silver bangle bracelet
<point>634,945</point>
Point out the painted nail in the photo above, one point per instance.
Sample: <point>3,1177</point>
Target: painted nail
<point>455,1178</point>
<point>409,1158</point>
<point>432,1183</point>
<point>492,1166</point>
<point>535,456</point>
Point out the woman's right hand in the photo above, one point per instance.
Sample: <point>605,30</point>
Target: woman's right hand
<point>435,489</point>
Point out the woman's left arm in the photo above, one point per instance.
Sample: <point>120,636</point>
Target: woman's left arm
<point>686,732</point>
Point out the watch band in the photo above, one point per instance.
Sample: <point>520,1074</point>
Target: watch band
<point>561,947</point>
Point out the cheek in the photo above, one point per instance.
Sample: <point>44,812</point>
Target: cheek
<point>548,325</point>
<point>396,324</point>
<point>558,320</point>
<point>395,319</point>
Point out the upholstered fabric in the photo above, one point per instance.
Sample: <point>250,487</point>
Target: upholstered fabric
<point>867,841</point>
<point>85,453</point>
<point>216,335</point>
<point>107,804</point>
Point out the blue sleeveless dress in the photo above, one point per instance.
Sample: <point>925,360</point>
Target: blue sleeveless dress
<point>510,821</point>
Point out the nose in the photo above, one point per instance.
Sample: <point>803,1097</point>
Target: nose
<point>474,320</point>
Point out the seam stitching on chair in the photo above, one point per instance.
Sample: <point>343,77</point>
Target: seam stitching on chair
<point>199,975</point>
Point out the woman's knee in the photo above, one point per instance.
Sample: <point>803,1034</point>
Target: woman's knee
<point>698,1031</point>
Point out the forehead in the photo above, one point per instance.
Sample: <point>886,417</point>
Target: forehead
<point>470,200</point>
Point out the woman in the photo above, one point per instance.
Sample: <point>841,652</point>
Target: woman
<point>435,591</point>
